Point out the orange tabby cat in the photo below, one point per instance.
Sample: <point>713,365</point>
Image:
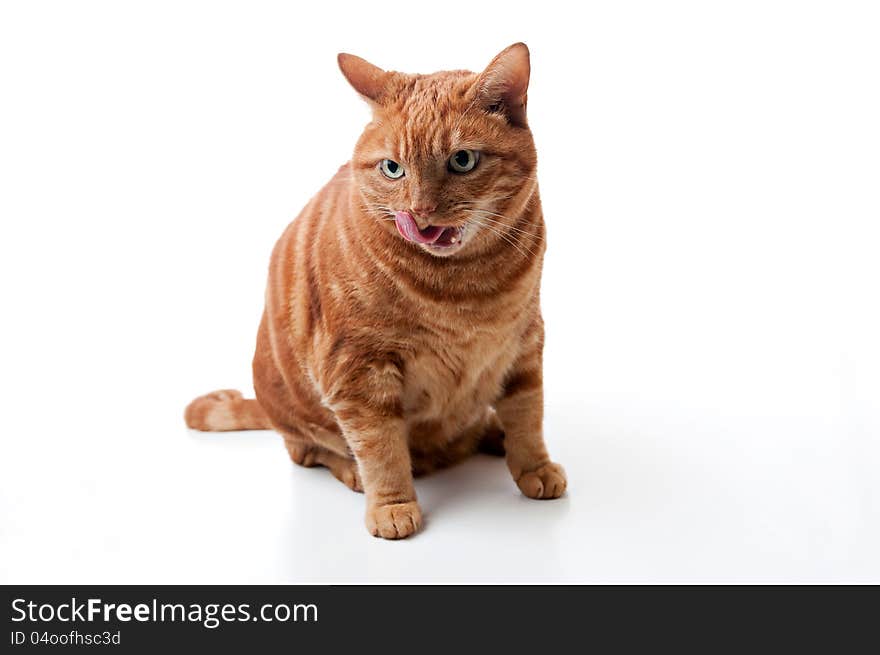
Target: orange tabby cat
<point>402,329</point>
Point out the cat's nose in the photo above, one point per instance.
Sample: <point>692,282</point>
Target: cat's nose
<point>423,210</point>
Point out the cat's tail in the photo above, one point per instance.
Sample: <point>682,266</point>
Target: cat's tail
<point>224,410</point>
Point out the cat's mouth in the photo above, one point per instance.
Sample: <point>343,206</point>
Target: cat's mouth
<point>433,236</point>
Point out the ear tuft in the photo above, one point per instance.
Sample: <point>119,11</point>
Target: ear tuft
<point>505,82</point>
<point>367,79</point>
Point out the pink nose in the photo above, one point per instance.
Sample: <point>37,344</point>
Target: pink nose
<point>423,211</point>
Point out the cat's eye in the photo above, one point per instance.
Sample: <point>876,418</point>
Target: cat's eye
<point>463,161</point>
<point>391,169</point>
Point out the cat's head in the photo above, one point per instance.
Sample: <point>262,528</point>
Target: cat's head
<point>447,156</point>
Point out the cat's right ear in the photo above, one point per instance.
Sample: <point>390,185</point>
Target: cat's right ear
<point>368,80</point>
<point>504,84</point>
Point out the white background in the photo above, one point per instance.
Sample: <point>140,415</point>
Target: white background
<point>709,173</point>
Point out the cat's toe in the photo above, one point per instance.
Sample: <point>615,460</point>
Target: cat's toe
<point>394,521</point>
<point>545,482</point>
<point>350,477</point>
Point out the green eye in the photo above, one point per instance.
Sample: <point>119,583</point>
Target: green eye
<point>463,161</point>
<point>391,169</point>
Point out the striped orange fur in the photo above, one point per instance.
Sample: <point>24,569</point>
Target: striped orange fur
<point>386,350</point>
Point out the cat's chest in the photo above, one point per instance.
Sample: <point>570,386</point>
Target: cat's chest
<point>453,380</point>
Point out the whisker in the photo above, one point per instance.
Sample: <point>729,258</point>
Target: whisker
<point>383,212</point>
<point>517,232</point>
<point>491,213</point>
<point>488,200</point>
<point>506,237</point>
<point>537,237</point>
<point>525,252</point>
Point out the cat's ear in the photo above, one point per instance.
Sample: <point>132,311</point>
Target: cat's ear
<point>502,87</point>
<point>368,80</point>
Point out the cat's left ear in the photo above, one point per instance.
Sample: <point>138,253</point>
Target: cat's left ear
<point>368,80</point>
<point>503,85</point>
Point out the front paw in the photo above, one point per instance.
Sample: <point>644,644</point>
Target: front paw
<point>545,482</point>
<point>394,521</point>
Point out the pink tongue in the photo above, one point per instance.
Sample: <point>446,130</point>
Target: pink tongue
<point>408,229</point>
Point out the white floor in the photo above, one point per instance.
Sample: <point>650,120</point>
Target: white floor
<point>703,498</point>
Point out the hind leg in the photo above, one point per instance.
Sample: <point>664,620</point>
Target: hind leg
<point>430,451</point>
<point>492,438</point>
<point>307,453</point>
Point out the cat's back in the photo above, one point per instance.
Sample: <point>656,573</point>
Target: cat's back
<point>305,246</point>
<point>302,266</point>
